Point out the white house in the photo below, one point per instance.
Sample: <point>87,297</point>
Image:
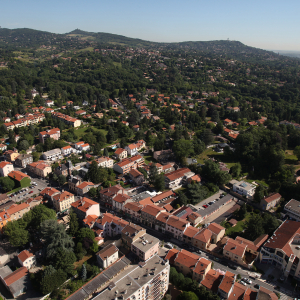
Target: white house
<point>243,188</point>
<point>49,103</point>
<point>66,150</point>
<point>26,259</point>
<point>107,256</point>
<point>52,154</point>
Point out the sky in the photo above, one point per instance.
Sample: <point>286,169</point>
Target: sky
<point>265,24</point>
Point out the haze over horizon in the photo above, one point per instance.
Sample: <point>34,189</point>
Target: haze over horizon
<point>263,24</point>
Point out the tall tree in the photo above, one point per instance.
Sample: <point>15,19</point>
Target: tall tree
<point>73,223</point>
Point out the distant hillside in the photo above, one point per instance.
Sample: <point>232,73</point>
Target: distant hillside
<point>24,37</point>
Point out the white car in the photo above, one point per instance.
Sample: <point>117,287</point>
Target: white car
<point>169,245</point>
<point>243,282</point>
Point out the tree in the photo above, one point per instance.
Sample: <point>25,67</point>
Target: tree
<point>85,233</point>
<point>207,137</point>
<point>236,169</point>
<point>52,281</point>
<point>183,148</point>
<point>297,152</point>
<point>93,192</point>
<point>182,199</point>
<point>7,183</point>
<point>73,223</point>
<point>23,145</point>
<point>83,272</point>
<point>64,259</point>
<point>55,237</point>
<point>187,296</point>
<point>61,179</point>
<point>153,173</point>
<point>35,156</point>
<point>105,153</point>
<point>80,251</point>
<point>159,182</point>
<point>41,213</point>
<point>259,193</point>
<point>254,227</point>
<point>111,137</point>
<point>17,235</point>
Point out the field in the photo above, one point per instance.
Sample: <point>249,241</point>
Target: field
<point>81,131</point>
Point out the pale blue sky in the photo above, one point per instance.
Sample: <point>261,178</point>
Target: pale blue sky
<point>267,24</point>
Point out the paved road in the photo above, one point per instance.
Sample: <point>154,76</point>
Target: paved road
<point>209,199</point>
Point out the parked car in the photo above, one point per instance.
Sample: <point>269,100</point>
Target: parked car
<point>30,192</point>
<point>247,280</point>
<point>199,251</point>
<point>243,283</point>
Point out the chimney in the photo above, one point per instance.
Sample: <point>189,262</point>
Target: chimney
<point>110,185</point>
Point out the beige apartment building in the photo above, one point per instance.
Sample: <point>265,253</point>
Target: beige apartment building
<point>63,201</point>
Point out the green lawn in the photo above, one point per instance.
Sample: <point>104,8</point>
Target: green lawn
<point>239,227</point>
<point>148,159</point>
<point>81,131</point>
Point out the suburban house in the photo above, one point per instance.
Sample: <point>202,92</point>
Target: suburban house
<point>52,155</point>
<point>202,239</point>
<point>136,176</point>
<point>26,259</point>
<point>67,150</point>
<point>217,231</point>
<point>84,187</point>
<point>163,196</point>
<point>186,261</point>
<point>120,153</point>
<point>266,203</point>
<point>63,201</point>
<point>16,211</point>
<point>201,268</point>
<point>86,207</point>
<point>11,155</point>
<point>133,149</point>
<point>189,233</point>
<point>161,221</point>
<point>5,168</point>
<point>73,183</point>
<point>20,179</point>
<point>145,247</point>
<point>243,188</point>
<point>292,209</point>
<point>16,282</point>
<point>107,256</point>
<point>177,179</point>
<point>105,162</point>
<point>125,165</point>
<point>51,133</point>
<point>3,147</point>
<point>212,280</point>
<point>23,160</point>
<point>39,168</point>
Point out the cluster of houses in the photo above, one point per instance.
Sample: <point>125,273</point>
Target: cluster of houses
<point>22,121</point>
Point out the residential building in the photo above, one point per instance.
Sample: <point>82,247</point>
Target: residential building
<point>110,225</point>
<point>177,179</point>
<point>39,168</point>
<point>292,209</point>
<point>119,201</point>
<point>49,192</point>
<point>162,155</point>
<point>161,221</point>
<point>4,219</point>
<point>202,239</point>
<point>67,119</point>
<point>189,233</point>
<point>148,280</point>
<point>131,233</point>
<point>120,153</point>
<point>217,231</point>
<point>149,214</point>
<point>64,169</point>
<point>266,294</point>
<point>52,155</point>
<point>16,282</point>
<point>26,259</point>
<point>20,179</point>
<point>3,147</point>
<point>107,195</point>
<point>16,211</point>
<point>266,203</point>
<point>235,251</point>
<point>125,165</point>
<point>243,188</point>
<point>202,267</point>
<point>105,162</point>
<point>136,176</point>
<point>145,247</point>
<point>107,256</point>
<point>133,149</point>
<point>186,261</point>
<point>86,207</point>
<point>73,183</point>
<point>84,188</point>
<point>176,227</point>
<point>67,150</point>
<point>212,280</point>
<point>11,155</point>
<point>63,201</point>
<point>23,160</point>
<point>163,196</point>
<point>226,285</point>
<point>5,168</point>
<point>51,133</point>
<point>133,210</point>
<point>282,249</point>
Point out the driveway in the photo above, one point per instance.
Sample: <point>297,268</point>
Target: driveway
<point>209,199</point>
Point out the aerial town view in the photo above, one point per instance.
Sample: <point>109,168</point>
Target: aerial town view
<point>147,168</point>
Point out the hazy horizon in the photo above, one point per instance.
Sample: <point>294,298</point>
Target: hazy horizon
<point>254,23</point>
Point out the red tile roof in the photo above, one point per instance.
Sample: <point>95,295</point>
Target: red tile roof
<point>14,209</point>
<point>24,255</point>
<point>212,280</point>
<point>201,266</point>
<point>272,197</point>
<point>237,292</point>
<point>63,196</point>
<point>15,276</point>
<point>191,231</point>
<point>152,210</point>
<point>172,255</point>
<point>186,258</point>
<point>204,236</point>
<point>235,247</point>
<point>162,196</point>
<point>4,164</point>
<point>17,175</point>
<point>177,223</point>
<point>215,228</point>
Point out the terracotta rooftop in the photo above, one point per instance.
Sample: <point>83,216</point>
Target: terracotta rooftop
<point>204,236</point>
<point>227,282</point>
<point>107,251</point>
<point>212,280</point>
<point>201,266</point>
<point>84,204</point>
<point>191,231</point>
<point>272,197</point>
<point>17,175</point>
<point>152,210</point>
<point>15,276</point>
<point>215,228</point>
<point>84,184</point>
<point>24,255</point>
<point>162,196</point>
<point>63,196</point>
<point>237,292</point>
<point>235,247</point>
<point>133,206</point>
<point>186,258</point>
<point>14,209</point>
<point>177,223</point>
